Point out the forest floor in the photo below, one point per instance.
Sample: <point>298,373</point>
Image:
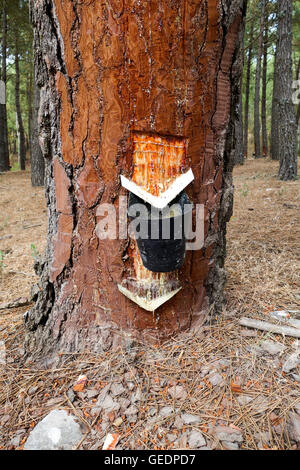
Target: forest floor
<point>229,387</point>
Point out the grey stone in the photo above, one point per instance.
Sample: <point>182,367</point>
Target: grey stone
<point>196,440</point>
<point>15,441</point>
<point>244,399</point>
<point>130,385</point>
<point>227,433</point>
<point>177,392</point>
<point>171,437</point>
<point>108,404</point>
<point>57,431</point>
<point>294,426</point>
<point>137,396</point>
<point>103,394</point>
<point>216,380</point>
<point>261,404</point>
<point>291,363</point>
<point>95,411</point>
<point>166,411</point>
<point>178,423</point>
<point>152,411</point>
<point>71,395</point>
<point>124,403</point>
<point>32,390</point>
<point>271,347</point>
<point>228,445</point>
<point>188,418</point>
<point>117,389</point>
<point>132,410</point>
<point>92,393</point>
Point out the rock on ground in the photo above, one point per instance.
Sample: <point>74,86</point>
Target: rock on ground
<point>294,426</point>
<point>57,431</point>
<point>228,434</point>
<point>196,440</point>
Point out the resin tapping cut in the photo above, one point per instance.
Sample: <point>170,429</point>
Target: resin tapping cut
<point>160,173</point>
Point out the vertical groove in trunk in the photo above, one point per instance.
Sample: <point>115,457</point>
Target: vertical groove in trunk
<point>4,150</point>
<point>21,133</point>
<point>257,144</point>
<point>286,111</point>
<point>106,69</point>
<point>247,90</point>
<point>264,90</point>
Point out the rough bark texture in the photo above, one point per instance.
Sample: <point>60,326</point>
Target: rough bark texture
<point>286,111</point>
<point>247,90</point>
<point>264,92</point>
<point>238,145</point>
<point>257,144</point>
<point>21,133</point>
<point>37,158</point>
<point>274,148</point>
<point>4,151</point>
<point>29,107</point>
<point>106,69</point>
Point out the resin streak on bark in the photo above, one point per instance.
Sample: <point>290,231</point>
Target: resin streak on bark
<point>125,66</point>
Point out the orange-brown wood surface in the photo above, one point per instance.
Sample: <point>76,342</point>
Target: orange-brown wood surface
<point>136,68</point>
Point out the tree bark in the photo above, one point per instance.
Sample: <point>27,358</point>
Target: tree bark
<point>21,133</point>
<point>287,137</point>
<point>247,90</point>
<point>239,137</point>
<point>107,69</point>
<point>274,145</point>
<point>257,144</point>
<point>4,151</point>
<point>298,106</point>
<point>29,106</point>
<point>264,92</point>
<point>37,158</point>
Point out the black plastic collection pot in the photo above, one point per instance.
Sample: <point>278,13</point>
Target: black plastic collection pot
<point>160,233</point>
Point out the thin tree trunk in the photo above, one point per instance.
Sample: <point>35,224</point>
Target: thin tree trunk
<point>257,144</point>
<point>161,70</point>
<point>264,92</point>
<point>274,144</point>
<point>29,106</point>
<point>21,133</point>
<point>239,143</point>
<point>298,106</point>
<point>286,110</point>
<point>247,91</point>
<point>4,150</point>
<point>37,158</point>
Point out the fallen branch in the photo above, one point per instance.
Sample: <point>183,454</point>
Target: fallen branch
<point>16,303</point>
<point>265,326</point>
<point>5,237</point>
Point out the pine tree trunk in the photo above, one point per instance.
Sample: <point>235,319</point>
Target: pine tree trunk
<point>4,151</point>
<point>247,91</point>
<point>29,106</point>
<point>287,137</point>
<point>257,144</point>
<point>239,137</point>
<point>107,70</point>
<point>37,158</point>
<point>298,106</point>
<point>264,92</point>
<point>21,133</point>
<point>274,145</point>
